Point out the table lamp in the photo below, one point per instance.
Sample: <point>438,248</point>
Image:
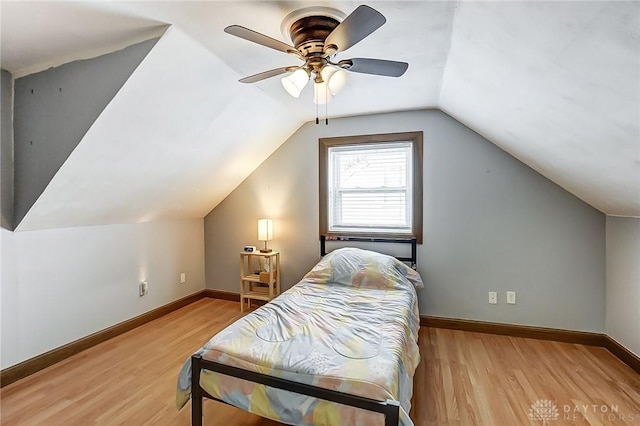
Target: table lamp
<point>265,233</point>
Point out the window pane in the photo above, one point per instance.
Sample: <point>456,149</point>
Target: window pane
<point>373,168</point>
<point>368,187</point>
<point>382,209</point>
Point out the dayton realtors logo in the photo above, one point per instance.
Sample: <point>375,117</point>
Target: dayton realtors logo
<point>546,411</point>
<point>601,412</point>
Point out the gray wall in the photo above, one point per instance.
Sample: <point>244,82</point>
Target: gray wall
<point>6,150</point>
<point>623,281</point>
<point>55,108</point>
<point>490,224</point>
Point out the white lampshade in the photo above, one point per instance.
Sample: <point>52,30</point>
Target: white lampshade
<point>265,229</point>
<point>295,82</point>
<point>336,78</point>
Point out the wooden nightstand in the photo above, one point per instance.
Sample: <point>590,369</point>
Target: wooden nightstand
<point>259,286</point>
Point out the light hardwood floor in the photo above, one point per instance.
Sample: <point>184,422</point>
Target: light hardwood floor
<point>463,379</point>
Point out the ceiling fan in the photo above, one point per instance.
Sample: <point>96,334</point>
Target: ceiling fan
<point>318,36</point>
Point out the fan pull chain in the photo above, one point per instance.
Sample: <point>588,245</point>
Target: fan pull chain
<point>317,119</point>
<point>326,104</point>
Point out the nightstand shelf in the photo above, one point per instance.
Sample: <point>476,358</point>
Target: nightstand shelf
<point>254,278</point>
<point>264,285</point>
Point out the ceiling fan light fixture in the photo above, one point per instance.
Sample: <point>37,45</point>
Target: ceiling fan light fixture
<point>318,34</point>
<point>295,82</point>
<point>335,78</point>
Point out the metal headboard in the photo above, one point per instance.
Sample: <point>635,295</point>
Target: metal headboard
<point>414,247</point>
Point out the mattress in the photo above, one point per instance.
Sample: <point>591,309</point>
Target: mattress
<point>351,325</point>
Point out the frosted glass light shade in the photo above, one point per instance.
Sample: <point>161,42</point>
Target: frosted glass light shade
<point>295,82</point>
<point>335,78</point>
<point>265,229</point>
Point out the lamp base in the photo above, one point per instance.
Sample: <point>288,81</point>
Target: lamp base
<point>265,250</point>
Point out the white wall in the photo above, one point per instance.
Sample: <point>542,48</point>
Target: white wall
<point>623,281</point>
<point>490,224</point>
<point>60,285</point>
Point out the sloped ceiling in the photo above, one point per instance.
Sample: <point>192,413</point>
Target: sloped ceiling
<point>54,109</point>
<point>556,84</point>
<point>163,147</point>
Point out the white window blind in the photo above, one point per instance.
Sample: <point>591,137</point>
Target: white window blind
<point>369,188</point>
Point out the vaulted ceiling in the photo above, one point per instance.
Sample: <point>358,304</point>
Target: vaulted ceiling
<point>555,84</point>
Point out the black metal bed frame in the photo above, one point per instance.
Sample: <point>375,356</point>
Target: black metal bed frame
<point>413,259</point>
<point>389,408</point>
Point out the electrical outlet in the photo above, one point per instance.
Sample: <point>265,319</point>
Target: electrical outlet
<point>143,288</point>
<point>183,278</point>
<point>493,297</point>
<point>511,297</point>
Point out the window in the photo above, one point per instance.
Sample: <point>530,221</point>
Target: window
<point>371,185</point>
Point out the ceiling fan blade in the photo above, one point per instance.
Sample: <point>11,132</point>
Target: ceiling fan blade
<point>266,74</point>
<point>355,27</point>
<point>258,38</point>
<point>375,66</point>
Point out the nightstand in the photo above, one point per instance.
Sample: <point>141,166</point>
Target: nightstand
<point>263,285</point>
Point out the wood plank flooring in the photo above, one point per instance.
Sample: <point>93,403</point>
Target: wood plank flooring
<point>463,379</point>
<point>480,379</point>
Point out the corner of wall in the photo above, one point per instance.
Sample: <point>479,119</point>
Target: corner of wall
<point>623,281</point>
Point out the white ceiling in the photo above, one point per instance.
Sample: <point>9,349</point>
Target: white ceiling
<point>556,84</point>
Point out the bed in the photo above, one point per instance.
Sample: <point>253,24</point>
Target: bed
<point>338,348</point>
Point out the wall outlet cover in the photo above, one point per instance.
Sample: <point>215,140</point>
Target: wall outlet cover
<point>493,297</point>
<point>511,297</point>
<point>183,278</point>
<point>144,289</point>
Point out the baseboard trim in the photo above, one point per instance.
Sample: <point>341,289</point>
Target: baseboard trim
<point>40,362</point>
<point>624,354</point>
<point>515,330</point>
<point>223,295</point>
<point>540,333</point>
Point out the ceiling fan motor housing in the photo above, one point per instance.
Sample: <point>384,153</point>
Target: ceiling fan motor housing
<point>309,33</point>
